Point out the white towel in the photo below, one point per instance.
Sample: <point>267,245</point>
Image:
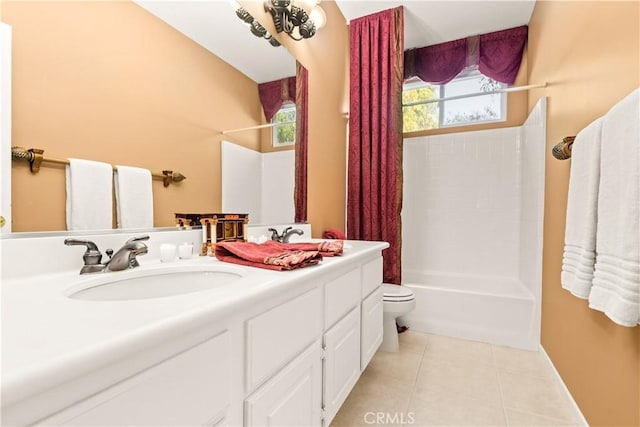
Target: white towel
<point>616,281</point>
<point>89,195</point>
<point>134,198</point>
<point>580,234</point>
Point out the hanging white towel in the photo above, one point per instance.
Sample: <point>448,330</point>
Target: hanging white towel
<point>579,256</point>
<point>89,195</point>
<point>134,198</point>
<point>616,282</point>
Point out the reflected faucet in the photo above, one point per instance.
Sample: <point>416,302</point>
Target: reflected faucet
<point>123,259</point>
<point>286,234</point>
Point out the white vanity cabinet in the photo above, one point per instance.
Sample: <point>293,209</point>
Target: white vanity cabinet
<point>191,388</point>
<point>278,349</point>
<point>291,383</point>
<point>341,339</point>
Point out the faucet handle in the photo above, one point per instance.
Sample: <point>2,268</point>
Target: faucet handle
<point>92,255</point>
<point>138,238</point>
<point>274,234</point>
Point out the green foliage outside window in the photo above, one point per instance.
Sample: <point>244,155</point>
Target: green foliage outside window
<point>423,116</point>
<point>285,134</point>
<point>451,112</point>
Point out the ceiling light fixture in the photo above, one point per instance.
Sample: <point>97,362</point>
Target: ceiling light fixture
<point>300,19</point>
<point>254,26</point>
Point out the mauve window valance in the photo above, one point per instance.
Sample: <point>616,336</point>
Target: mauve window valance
<point>273,94</point>
<point>498,55</point>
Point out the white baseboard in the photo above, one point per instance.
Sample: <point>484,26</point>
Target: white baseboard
<point>580,417</point>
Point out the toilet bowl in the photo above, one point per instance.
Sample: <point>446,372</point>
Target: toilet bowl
<point>397,301</point>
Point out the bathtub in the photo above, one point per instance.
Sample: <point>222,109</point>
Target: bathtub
<point>496,310</point>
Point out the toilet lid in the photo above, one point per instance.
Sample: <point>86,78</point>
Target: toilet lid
<point>397,293</point>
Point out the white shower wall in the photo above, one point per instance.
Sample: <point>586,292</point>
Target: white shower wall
<point>472,232</point>
<point>260,184</point>
<point>461,208</point>
<point>532,201</point>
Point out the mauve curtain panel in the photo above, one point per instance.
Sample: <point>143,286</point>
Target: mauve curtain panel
<point>273,94</point>
<point>302,105</point>
<point>374,201</point>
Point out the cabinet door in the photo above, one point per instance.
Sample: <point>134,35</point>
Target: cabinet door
<point>341,362</point>
<point>192,388</point>
<point>371,326</point>
<point>293,397</point>
<point>278,335</point>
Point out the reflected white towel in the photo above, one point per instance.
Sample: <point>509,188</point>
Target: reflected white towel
<point>580,235</point>
<point>89,195</point>
<point>616,281</point>
<point>134,198</point>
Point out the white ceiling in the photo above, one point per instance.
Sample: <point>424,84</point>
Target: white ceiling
<point>214,25</point>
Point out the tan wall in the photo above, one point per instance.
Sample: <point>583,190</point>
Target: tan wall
<point>326,57</point>
<point>108,81</point>
<point>589,54</point>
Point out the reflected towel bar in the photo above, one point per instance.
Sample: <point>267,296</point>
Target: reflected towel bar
<point>35,157</point>
<point>268,125</point>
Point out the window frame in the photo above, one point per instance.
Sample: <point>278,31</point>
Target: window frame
<point>467,73</point>
<point>287,106</point>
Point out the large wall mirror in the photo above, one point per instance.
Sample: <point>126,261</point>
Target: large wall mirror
<point>151,84</point>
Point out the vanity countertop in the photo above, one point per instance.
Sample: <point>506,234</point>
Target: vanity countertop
<point>49,339</point>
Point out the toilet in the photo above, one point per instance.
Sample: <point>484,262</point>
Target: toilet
<point>397,301</point>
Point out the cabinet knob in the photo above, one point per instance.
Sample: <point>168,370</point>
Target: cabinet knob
<point>2,221</point>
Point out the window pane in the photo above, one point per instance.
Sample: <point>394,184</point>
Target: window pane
<point>423,116</point>
<point>473,109</point>
<point>284,134</point>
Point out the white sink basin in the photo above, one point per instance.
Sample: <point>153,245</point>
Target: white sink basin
<point>153,285</point>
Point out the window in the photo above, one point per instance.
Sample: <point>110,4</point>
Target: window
<point>426,106</point>
<point>284,131</point>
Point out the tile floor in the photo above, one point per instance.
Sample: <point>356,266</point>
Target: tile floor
<point>441,381</point>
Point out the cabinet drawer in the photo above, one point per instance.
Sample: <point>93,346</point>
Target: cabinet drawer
<point>192,388</point>
<point>371,276</point>
<point>278,335</point>
<point>341,295</point>
<point>371,337</point>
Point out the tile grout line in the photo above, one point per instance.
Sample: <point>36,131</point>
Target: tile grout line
<point>415,381</point>
<point>495,367</point>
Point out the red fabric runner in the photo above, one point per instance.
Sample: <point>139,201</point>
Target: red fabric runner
<point>276,256</point>
<point>325,248</point>
<point>333,233</point>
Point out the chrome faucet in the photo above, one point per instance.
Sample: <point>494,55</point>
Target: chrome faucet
<point>286,234</point>
<point>123,259</point>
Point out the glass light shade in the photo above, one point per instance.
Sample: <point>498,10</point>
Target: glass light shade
<point>318,16</point>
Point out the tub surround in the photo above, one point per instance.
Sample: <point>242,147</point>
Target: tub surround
<point>472,242</point>
<point>58,351</point>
